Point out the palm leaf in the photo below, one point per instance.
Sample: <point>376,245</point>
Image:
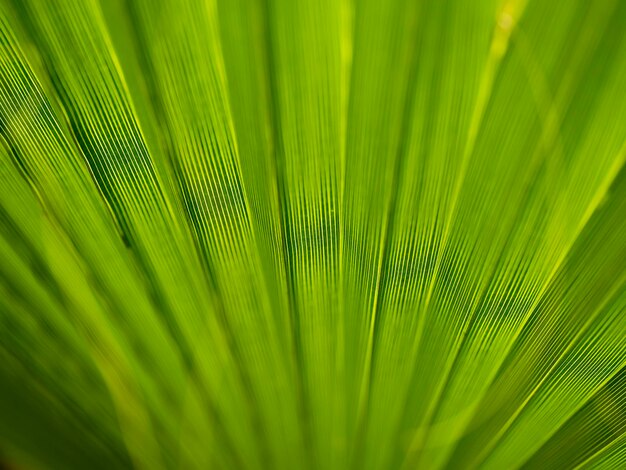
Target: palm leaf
<point>312,234</point>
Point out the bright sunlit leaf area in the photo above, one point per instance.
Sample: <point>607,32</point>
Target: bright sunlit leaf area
<point>312,234</point>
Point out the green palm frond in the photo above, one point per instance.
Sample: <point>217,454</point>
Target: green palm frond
<point>316,234</point>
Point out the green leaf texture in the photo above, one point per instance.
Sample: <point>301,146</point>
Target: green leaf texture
<point>312,234</point>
